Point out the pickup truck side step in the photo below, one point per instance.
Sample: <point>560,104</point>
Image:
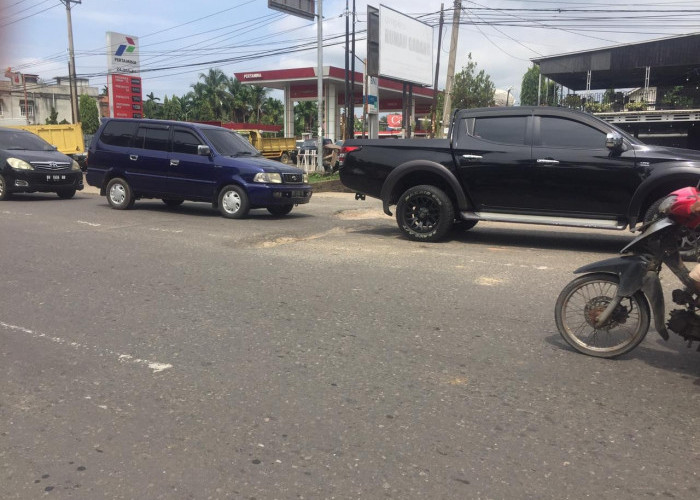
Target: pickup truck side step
<point>541,219</point>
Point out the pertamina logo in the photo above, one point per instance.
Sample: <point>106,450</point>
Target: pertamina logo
<point>126,48</point>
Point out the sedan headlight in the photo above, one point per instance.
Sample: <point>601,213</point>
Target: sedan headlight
<point>18,164</point>
<point>268,177</point>
<point>74,165</point>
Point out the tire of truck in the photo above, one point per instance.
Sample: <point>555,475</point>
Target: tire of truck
<point>425,213</point>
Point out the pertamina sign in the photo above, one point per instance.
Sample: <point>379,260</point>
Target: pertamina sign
<point>124,82</point>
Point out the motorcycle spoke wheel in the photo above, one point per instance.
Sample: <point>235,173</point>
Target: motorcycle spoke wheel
<point>579,306</point>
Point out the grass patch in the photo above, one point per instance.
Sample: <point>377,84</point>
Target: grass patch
<point>315,177</point>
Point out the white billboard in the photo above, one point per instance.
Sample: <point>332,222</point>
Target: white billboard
<point>122,53</point>
<point>405,47</point>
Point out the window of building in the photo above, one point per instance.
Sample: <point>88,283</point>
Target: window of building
<point>27,110</point>
<point>2,107</point>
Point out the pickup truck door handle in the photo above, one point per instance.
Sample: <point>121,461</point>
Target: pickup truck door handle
<point>174,163</point>
<point>547,161</point>
<point>472,157</point>
<point>133,157</point>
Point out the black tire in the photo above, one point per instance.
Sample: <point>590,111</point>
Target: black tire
<point>280,210</point>
<point>66,194</point>
<point>4,193</point>
<point>689,244</point>
<point>425,213</point>
<point>119,194</point>
<point>172,202</point>
<point>233,202</point>
<point>583,299</point>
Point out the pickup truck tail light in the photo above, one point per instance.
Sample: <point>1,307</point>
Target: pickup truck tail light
<point>344,151</point>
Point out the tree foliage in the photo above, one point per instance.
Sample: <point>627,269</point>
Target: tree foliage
<point>528,89</point>
<point>471,89</point>
<point>89,114</point>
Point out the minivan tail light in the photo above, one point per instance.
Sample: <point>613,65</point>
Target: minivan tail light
<point>344,151</point>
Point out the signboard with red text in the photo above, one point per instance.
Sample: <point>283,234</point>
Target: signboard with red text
<point>125,96</point>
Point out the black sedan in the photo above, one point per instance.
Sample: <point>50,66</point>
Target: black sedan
<point>29,164</point>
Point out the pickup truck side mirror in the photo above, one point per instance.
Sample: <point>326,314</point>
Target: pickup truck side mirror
<point>203,150</point>
<point>613,141</point>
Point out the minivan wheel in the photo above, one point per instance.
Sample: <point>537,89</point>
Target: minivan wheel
<point>119,195</point>
<point>233,202</point>
<point>425,213</point>
<point>4,193</point>
<point>66,193</point>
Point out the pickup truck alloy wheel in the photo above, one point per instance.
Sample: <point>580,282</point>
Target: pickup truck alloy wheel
<point>233,202</point>
<point>424,213</point>
<point>119,195</point>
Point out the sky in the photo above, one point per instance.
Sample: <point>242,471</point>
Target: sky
<point>179,40</point>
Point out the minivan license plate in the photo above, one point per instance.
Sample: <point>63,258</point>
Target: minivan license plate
<point>55,177</point>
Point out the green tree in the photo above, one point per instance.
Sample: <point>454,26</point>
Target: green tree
<point>53,117</point>
<point>257,98</point>
<point>89,114</point>
<point>151,106</point>
<point>305,117</point>
<point>528,89</point>
<point>239,105</point>
<point>172,109</point>
<point>272,111</point>
<point>471,89</point>
<point>213,91</point>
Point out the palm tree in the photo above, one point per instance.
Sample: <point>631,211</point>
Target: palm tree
<point>257,98</point>
<point>273,111</point>
<point>240,99</point>
<point>305,116</point>
<point>213,90</point>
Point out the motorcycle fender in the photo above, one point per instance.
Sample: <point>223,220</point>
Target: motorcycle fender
<point>655,296</point>
<point>631,270</point>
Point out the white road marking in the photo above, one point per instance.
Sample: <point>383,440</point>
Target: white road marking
<point>165,230</point>
<point>123,358</point>
<point>88,223</point>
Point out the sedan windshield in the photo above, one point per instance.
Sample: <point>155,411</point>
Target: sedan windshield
<point>228,143</point>
<point>21,140</point>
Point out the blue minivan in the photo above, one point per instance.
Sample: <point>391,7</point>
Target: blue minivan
<point>177,161</point>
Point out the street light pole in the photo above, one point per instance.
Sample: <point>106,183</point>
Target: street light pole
<point>71,68</point>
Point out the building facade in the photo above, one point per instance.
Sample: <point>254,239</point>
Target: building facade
<point>41,100</point>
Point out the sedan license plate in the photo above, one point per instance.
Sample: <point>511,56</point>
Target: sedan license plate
<point>55,177</point>
<point>298,194</point>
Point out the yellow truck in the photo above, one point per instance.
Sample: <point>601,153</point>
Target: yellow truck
<point>67,138</point>
<point>277,148</point>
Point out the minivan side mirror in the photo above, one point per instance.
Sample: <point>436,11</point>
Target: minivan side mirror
<point>203,150</point>
<point>613,141</point>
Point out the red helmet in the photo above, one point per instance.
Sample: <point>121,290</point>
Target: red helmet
<point>677,206</point>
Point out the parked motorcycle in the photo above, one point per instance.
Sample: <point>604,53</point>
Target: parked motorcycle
<point>606,311</point>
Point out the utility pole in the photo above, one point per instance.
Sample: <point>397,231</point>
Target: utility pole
<point>433,116</point>
<point>347,69</point>
<point>351,118</point>
<point>451,67</point>
<point>319,101</point>
<point>71,66</point>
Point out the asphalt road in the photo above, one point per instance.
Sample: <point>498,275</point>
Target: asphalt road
<point>174,354</point>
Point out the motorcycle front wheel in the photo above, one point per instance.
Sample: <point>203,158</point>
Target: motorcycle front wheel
<point>580,304</point>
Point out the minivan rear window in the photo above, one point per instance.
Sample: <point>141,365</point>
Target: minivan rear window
<point>118,133</point>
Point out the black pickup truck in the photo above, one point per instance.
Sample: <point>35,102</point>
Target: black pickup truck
<point>537,165</point>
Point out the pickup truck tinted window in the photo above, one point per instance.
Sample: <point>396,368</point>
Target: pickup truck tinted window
<point>185,141</point>
<point>506,130</point>
<point>118,133</point>
<point>562,133</point>
<point>153,138</point>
